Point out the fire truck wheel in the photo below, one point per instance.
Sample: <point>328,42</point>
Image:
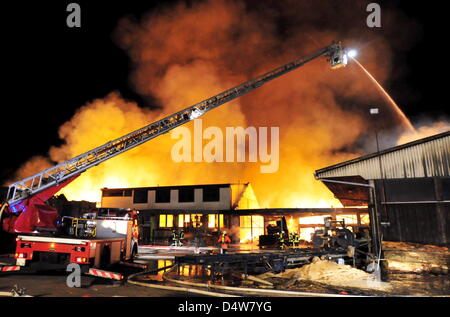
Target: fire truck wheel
<point>105,258</point>
<point>134,252</point>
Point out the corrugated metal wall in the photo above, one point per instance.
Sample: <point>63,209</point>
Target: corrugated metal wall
<point>412,197</point>
<point>414,210</point>
<point>428,159</point>
<point>418,223</point>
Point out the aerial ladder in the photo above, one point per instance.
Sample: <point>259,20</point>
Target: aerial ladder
<point>25,209</point>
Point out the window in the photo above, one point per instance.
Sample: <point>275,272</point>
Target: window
<point>184,220</point>
<point>162,196</point>
<point>211,193</point>
<point>186,195</point>
<point>113,193</point>
<point>313,220</point>
<point>213,221</point>
<point>364,218</point>
<point>140,196</point>
<point>251,227</point>
<point>164,264</point>
<point>117,193</point>
<point>309,224</point>
<point>165,221</point>
<point>196,220</point>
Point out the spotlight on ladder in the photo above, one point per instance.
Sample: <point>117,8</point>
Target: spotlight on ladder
<point>352,53</point>
<point>195,113</point>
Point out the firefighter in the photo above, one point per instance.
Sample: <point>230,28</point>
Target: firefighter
<point>181,237</point>
<point>224,241</point>
<point>281,240</point>
<point>291,239</point>
<point>296,240</point>
<point>174,238</point>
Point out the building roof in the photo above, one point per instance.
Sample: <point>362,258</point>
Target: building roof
<point>260,211</point>
<point>174,187</point>
<point>427,157</point>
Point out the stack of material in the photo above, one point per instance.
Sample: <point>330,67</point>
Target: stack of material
<point>402,257</point>
<point>331,273</point>
<point>71,208</point>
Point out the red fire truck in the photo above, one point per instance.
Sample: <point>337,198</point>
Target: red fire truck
<point>99,239</point>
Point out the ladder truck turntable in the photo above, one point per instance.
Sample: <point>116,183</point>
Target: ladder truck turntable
<point>104,240</point>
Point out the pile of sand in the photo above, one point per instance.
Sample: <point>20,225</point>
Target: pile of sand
<point>334,274</point>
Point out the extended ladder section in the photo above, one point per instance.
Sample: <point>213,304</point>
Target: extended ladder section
<point>70,168</point>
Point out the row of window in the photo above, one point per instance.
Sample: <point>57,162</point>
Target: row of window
<point>190,220</point>
<point>118,193</point>
<point>162,195</point>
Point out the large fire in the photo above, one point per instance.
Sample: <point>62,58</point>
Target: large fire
<point>183,54</point>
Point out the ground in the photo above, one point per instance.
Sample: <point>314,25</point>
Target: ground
<point>51,284</point>
<point>54,285</point>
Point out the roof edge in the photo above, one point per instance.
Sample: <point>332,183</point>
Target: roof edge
<point>389,150</point>
<point>174,186</point>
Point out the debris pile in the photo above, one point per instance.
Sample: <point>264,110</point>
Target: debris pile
<point>405,257</point>
<point>331,273</point>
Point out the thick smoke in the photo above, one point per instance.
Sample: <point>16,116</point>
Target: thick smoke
<point>184,53</point>
<point>425,129</point>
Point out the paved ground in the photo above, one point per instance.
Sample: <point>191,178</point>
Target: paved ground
<point>51,284</point>
<point>54,285</point>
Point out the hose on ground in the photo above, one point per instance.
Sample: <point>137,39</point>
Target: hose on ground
<point>172,288</point>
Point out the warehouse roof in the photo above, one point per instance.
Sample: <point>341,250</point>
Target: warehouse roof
<point>173,187</point>
<point>261,211</point>
<point>427,157</point>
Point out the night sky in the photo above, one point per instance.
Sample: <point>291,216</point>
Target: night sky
<point>52,70</point>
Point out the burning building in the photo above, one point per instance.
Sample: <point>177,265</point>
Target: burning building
<point>196,207</point>
<point>206,210</point>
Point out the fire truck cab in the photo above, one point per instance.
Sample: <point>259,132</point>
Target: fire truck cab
<point>99,239</point>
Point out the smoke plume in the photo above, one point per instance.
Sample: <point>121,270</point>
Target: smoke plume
<point>184,53</point>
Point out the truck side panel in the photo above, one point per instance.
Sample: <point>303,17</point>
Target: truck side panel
<point>79,251</point>
<point>25,251</point>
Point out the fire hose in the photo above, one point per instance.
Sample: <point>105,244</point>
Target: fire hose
<point>172,288</point>
<point>239,290</point>
<point>15,292</point>
<point>248,290</point>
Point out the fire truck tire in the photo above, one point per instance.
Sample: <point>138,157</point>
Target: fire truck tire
<point>134,252</point>
<point>84,268</point>
<point>105,258</point>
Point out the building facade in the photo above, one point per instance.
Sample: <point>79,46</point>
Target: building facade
<point>199,210</point>
<point>191,197</point>
<point>203,211</point>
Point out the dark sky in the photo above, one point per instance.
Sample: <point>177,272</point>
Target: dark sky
<point>50,70</point>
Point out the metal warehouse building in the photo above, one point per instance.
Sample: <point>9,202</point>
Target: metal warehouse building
<point>407,189</point>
